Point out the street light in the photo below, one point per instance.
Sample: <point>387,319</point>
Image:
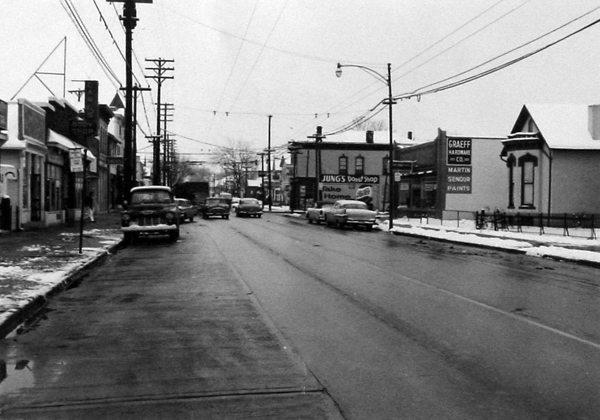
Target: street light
<point>389,101</point>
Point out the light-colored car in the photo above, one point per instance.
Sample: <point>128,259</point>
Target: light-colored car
<point>249,207</point>
<point>235,202</point>
<point>316,214</point>
<point>186,209</point>
<point>150,210</point>
<point>350,213</point>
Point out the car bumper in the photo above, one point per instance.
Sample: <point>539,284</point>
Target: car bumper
<point>147,229</point>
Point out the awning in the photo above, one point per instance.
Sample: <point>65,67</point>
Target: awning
<point>63,143</point>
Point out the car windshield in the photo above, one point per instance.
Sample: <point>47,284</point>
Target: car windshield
<point>215,201</point>
<point>140,197</point>
<point>355,206</point>
<point>249,201</point>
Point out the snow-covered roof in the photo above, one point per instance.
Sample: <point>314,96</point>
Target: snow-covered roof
<point>563,126</point>
<point>353,136</point>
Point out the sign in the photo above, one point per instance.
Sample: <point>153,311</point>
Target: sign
<point>459,151</point>
<point>80,128</point>
<point>91,110</point>
<point>76,158</point>
<point>32,122</point>
<point>114,160</point>
<point>364,192</point>
<point>349,179</point>
<point>459,180</point>
<point>3,115</point>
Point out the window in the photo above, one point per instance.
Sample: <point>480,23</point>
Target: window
<point>527,164</point>
<point>510,162</point>
<point>343,165</point>
<point>386,165</point>
<point>359,166</point>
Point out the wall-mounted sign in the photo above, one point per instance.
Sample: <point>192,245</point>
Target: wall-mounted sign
<point>32,124</point>
<point>459,151</point>
<point>80,128</point>
<point>3,115</point>
<point>349,179</point>
<point>459,179</point>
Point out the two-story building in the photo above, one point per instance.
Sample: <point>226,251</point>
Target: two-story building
<point>352,165</point>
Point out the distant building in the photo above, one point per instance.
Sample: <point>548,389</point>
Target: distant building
<point>352,165</point>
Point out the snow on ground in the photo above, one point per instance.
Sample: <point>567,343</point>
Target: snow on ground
<point>47,268</point>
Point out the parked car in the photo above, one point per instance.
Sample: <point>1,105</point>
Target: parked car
<point>215,206</point>
<point>317,213</point>
<point>186,209</point>
<point>150,210</point>
<point>249,207</point>
<point>350,212</point>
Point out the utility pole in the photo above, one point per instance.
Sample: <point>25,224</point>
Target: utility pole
<point>269,163</point>
<point>165,115</point>
<point>136,89</point>
<point>318,139</point>
<point>159,77</point>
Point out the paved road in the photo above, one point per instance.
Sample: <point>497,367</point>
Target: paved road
<point>161,331</point>
<point>378,325</point>
<point>398,327</point>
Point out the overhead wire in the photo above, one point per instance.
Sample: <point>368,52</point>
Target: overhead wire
<point>420,91</point>
<point>88,39</point>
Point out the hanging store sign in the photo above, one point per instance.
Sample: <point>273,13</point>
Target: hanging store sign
<point>76,158</point>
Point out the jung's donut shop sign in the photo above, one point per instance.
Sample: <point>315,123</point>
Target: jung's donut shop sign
<point>347,187</point>
<point>459,170</point>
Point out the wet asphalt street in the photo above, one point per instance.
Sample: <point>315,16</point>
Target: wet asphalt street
<point>274,317</point>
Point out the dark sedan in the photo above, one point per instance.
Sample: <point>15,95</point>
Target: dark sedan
<point>249,207</point>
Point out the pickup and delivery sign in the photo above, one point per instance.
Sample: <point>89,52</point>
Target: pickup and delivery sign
<point>459,170</point>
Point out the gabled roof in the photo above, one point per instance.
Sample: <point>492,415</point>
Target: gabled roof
<point>561,126</point>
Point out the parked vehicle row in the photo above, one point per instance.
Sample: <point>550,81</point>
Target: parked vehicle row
<point>186,209</point>
<point>342,213</point>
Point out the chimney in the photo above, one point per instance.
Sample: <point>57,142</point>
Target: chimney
<point>409,135</point>
<point>370,137</point>
<point>594,121</point>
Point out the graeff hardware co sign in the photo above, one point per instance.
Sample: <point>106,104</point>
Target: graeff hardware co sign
<point>459,151</point>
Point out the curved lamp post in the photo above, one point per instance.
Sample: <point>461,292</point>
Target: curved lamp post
<point>389,102</point>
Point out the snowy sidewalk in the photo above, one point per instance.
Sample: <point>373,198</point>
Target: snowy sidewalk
<point>577,247</point>
<point>34,264</point>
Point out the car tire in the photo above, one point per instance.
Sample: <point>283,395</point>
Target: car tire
<point>191,219</point>
<point>318,221</point>
<point>309,220</point>
<point>369,228</point>
<point>174,234</point>
<point>259,216</point>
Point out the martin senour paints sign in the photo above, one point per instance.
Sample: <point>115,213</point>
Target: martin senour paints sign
<point>459,179</point>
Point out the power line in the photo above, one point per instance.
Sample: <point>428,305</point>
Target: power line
<point>418,92</point>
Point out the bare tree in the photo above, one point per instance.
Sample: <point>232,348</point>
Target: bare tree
<point>236,159</point>
<point>372,125</point>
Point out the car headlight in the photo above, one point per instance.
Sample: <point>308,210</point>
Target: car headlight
<point>126,217</point>
<point>170,216</point>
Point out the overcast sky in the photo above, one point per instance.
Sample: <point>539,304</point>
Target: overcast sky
<point>238,61</point>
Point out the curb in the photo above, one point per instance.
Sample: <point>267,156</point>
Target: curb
<point>587,263</point>
<point>28,311</point>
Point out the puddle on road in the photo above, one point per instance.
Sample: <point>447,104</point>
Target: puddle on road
<point>16,376</point>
